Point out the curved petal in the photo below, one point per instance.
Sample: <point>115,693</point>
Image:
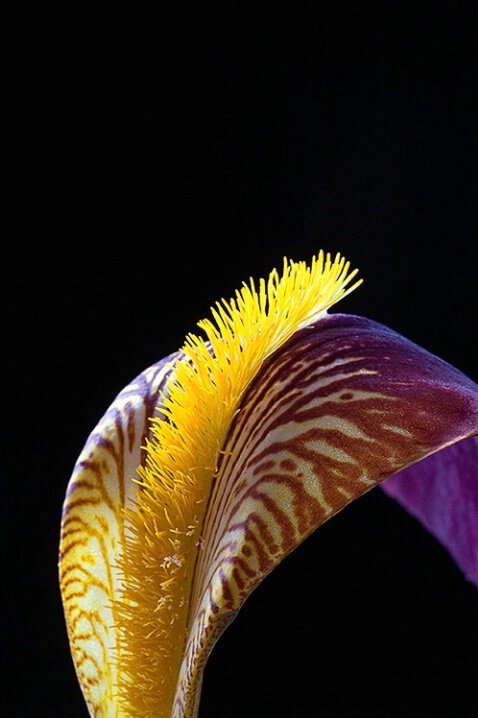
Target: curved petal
<point>340,407</point>
<point>442,493</point>
<point>92,534</point>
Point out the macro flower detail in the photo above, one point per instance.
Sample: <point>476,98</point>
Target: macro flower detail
<point>215,463</point>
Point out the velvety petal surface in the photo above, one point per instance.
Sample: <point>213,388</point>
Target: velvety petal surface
<point>442,493</point>
<point>339,408</point>
<point>92,535</point>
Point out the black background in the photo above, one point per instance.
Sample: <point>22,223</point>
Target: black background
<point>154,160</point>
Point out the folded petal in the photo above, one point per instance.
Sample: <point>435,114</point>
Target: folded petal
<point>442,493</point>
<point>343,405</point>
<point>339,407</point>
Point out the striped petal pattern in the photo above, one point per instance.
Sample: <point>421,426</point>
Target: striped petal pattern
<point>338,409</point>
<point>92,534</point>
<point>334,406</point>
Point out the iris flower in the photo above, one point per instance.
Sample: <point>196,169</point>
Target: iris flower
<point>216,462</point>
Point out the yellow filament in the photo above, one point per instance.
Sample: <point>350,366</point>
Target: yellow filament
<point>198,407</point>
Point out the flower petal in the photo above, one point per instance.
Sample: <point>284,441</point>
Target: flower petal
<point>442,493</point>
<point>342,406</point>
<point>92,534</point>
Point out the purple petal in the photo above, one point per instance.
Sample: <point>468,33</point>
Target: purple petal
<point>442,493</point>
<point>342,406</point>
